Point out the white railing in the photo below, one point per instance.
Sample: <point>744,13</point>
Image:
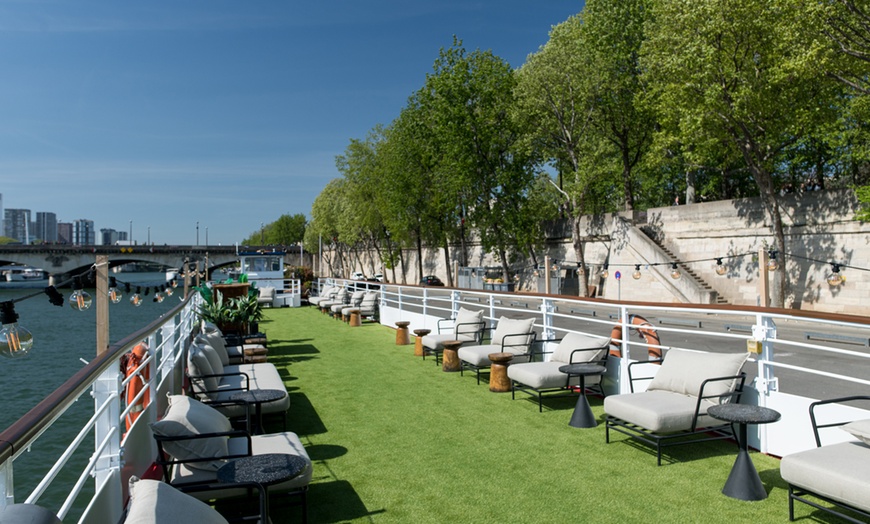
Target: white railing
<point>113,458</point>
<point>803,356</point>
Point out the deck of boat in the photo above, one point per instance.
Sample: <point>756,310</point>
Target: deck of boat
<point>395,439</point>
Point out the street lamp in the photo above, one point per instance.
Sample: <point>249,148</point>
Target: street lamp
<point>206,236</point>
<point>197,232</point>
<point>262,232</point>
<point>131,233</point>
<point>149,235</point>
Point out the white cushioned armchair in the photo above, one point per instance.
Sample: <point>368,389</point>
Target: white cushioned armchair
<point>537,378</point>
<point>838,474</point>
<point>467,326</point>
<point>673,409</point>
<point>514,336</point>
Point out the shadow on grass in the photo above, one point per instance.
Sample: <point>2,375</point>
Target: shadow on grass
<point>686,452</point>
<point>336,501</point>
<point>304,419</point>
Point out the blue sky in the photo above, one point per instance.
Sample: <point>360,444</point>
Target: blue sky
<point>226,113</point>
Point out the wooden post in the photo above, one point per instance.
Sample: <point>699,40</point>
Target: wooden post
<point>186,268</point>
<point>547,275</point>
<point>763,278</point>
<point>102,300</point>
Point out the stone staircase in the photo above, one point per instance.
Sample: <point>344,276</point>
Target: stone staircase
<point>685,270</point>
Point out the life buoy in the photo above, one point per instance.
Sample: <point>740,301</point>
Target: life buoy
<point>646,331</point>
<point>136,384</point>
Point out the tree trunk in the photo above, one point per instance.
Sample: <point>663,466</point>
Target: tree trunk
<point>419,258</point>
<point>505,270</point>
<point>690,187</point>
<point>447,264</point>
<point>626,180</point>
<point>582,275</point>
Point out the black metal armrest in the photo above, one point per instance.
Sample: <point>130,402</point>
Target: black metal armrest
<point>838,400</point>
<point>601,361</point>
<point>440,320</point>
<point>527,340</point>
<point>631,378</point>
<point>733,394</point>
<point>165,461</point>
<point>479,327</point>
<point>537,348</point>
<point>199,380</point>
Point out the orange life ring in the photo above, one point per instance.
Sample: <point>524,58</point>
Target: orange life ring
<point>645,329</point>
<point>137,383</point>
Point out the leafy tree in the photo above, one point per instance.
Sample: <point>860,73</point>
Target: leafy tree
<point>736,72</point>
<point>467,100</point>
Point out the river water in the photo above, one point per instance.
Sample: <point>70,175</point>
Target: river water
<point>63,338</point>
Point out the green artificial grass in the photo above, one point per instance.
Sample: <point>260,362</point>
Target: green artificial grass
<point>394,439</point>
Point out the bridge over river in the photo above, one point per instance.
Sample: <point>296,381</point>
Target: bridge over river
<point>61,261</point>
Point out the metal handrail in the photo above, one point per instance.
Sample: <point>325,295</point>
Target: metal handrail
<point>16,438</point>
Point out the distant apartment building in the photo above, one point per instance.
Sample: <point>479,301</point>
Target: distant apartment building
<point>45,227</point>
<point>16,223</point>
<point>65,232</point>
<point>108,237</point>
<point>83,233</point>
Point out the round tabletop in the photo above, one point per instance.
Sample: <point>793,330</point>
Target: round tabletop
<point>258,396</point>
<point>582,369</point>
<point>269,468</point>
<point>403,324</point>
<point>422,332</point>
<point>744,413</point>
<point>501,357</point>
<point>451,344</point>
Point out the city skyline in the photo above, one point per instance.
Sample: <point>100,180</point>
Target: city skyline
<point>225,114</point>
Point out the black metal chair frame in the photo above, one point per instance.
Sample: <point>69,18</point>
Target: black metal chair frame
<point>478,335</point>
<point>796,493</point>
<point>199,380</point>
<point>692,435</point>
<point>563,391</point>
<point>166,462</point>
<point>463,365</point>
<point>263,499</point>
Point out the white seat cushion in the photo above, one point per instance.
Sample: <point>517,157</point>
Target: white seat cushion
<point>479,355</point>
<point>659,411</point>
<point>436,342</point>
<point>155,502</point>
<point>838,471</point>
<point>545,375</point>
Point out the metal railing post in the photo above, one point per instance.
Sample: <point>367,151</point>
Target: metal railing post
<point>547,309</point>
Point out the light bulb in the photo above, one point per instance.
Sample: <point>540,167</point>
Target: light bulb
<point>136,298</point>
<point>168,291</point>
<point>604,272</point>
<point>772,265</point>
<point>675,272</point>
<point>158,297</point>
<point>15,341</point>
<point>174,282</point>
<point>80,300</point>
<point>720,267</point>
<point>636,275</point>
<point>114,293</point>
<point>835,278</point>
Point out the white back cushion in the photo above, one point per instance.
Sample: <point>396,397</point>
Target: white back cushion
<point>684,371</point>
<point>508,326</point>
<point>574,341</point>
<point>467,316</point>
<point>186,417</point>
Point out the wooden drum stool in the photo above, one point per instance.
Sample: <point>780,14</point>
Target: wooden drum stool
<point>355,320</point>
<point>402,338</point>
<point>450,358</point>
<point>498,379</point>
<point>418,341</point>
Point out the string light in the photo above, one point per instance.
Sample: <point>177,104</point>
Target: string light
<point>772,265</point>
<point>720,267</point>
<point>675,271</point>
<point>167,290</point>
<point>636,275</point>
<point>114,294</point>
<point>80,299</point>
<point>835,278</point>
<point>604,271</point>
<point>136,298</point>
<point>15,341</point>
